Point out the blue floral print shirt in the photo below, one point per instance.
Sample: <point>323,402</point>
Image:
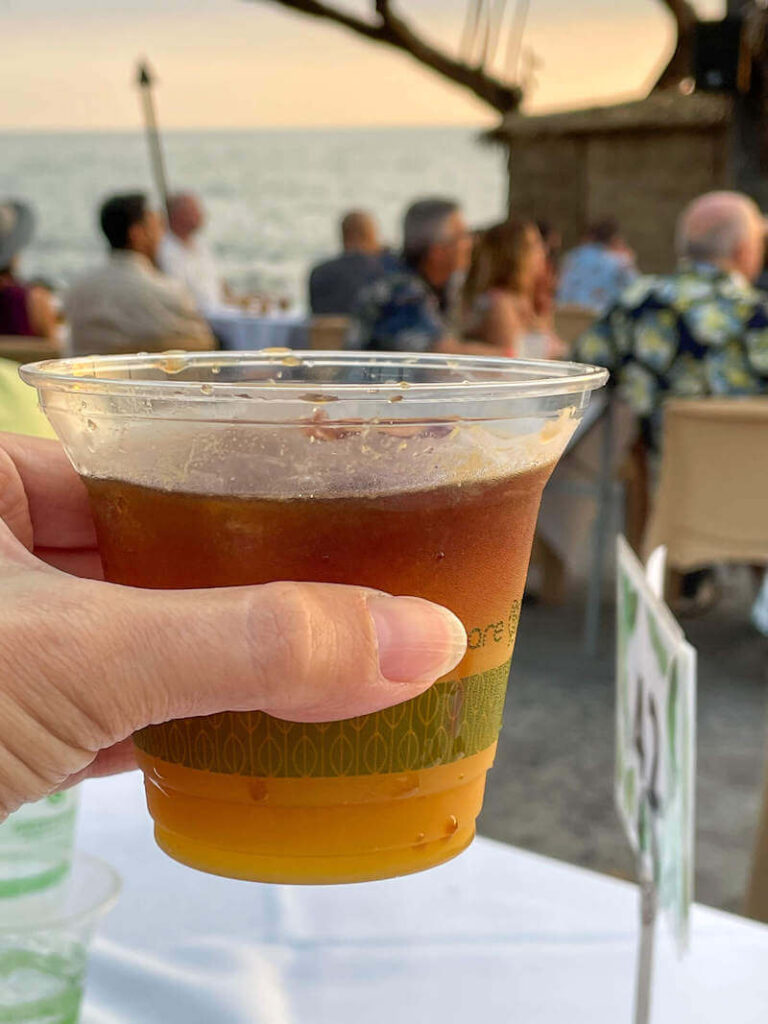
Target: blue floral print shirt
<point>700,331</point>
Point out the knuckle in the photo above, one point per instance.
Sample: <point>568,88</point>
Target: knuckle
<point>282,638</point>
<point>316,651</point>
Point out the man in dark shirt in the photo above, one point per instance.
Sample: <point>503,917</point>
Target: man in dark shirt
<point>334,285</point>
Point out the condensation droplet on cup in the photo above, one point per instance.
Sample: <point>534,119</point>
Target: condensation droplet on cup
<point>91,425</point>
<point>420,837</point>
<point>451,825</point>
<point>403,785</point>
<point>317,398</point>
<point>215,369</point>
<point>258,790</point>
<point>206,389</point>
<point>174,362</point>
<point>396,398</point>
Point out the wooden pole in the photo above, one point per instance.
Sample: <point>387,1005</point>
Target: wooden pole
<point>145,81</point>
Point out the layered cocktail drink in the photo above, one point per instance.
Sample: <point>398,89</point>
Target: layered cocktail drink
<point>418,476</point>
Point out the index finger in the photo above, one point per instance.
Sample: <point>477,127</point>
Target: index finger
<point>42,498</point>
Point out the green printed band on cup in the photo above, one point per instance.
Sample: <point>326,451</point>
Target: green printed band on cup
<point>451,720</point>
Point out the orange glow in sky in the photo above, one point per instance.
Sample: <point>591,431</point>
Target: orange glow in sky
<point>228,63</point>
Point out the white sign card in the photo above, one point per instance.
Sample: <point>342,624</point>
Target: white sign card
<point>655,736</point>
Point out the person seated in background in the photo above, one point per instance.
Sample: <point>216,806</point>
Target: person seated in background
<point>702,330</point>
<point>596,272</point>
<point>508,264</point>
<point>413,307</point>
<point>26,310</point>
<point>546,286</point>
<point>128,305</point>
<point>185,256</point>
<point>335,284</point>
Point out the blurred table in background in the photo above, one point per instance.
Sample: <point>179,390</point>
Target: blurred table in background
<point>239,330</point>
<point>22,349</point>
<point>497,935</point>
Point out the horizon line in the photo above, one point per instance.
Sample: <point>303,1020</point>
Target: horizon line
<point>479,125</point>
<point>482,123</point>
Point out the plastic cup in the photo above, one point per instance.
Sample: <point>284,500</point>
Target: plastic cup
<point>44,942</point>
<point>411,474</point>
<point>36,844</point>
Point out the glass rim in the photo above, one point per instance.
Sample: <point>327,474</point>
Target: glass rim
<point>50,910</point>
<point>504,377</point>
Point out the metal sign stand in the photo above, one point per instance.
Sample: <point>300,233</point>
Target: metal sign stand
<point>648,912</point>
<point>655,763</point>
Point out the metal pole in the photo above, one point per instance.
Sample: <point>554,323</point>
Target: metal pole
<point>644,982</point>
<point>145,81</point>
<point>600,529</point>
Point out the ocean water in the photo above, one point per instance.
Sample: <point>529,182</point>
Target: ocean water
<point>273,197</point>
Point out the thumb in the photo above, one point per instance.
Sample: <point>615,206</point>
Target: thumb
<point>303,651</point>
<point>123,657</point>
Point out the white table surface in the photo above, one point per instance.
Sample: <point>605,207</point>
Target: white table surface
<point>496,935</point>
<point>241,330</point>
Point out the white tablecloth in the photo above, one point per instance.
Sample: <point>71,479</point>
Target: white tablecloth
<point>239,330</point>
<point>498,935</point>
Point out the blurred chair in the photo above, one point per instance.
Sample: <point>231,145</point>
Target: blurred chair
<point>572,321</point>
<point>712,498</point>
<point>19,411</point>
<point>756,904</point>
<point>23,349</point>
<point>712,506</point>
<point>585,504</point>
<point>328,332</point>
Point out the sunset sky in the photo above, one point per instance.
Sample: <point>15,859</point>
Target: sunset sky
<point>233,64</point>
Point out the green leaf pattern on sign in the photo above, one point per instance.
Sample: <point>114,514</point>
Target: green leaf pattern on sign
<point>659,649</point>
<point>672,721</point>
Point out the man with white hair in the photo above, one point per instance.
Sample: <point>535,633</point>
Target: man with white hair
<point>702,330</point>
<point>184,254</point>
<point>411,309</point>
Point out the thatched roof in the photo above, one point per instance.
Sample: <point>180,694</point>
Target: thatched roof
<point>661,110</point>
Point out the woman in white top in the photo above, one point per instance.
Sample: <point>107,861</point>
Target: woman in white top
<point>500,293</point>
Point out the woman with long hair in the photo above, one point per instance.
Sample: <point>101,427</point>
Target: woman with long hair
<point>500,294</point>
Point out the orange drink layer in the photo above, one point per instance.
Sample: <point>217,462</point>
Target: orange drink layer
<point>412,474</point>
<point>247,795</point>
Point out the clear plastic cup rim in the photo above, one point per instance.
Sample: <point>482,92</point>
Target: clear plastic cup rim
<point>90,890</point>
<point>444,377</point>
